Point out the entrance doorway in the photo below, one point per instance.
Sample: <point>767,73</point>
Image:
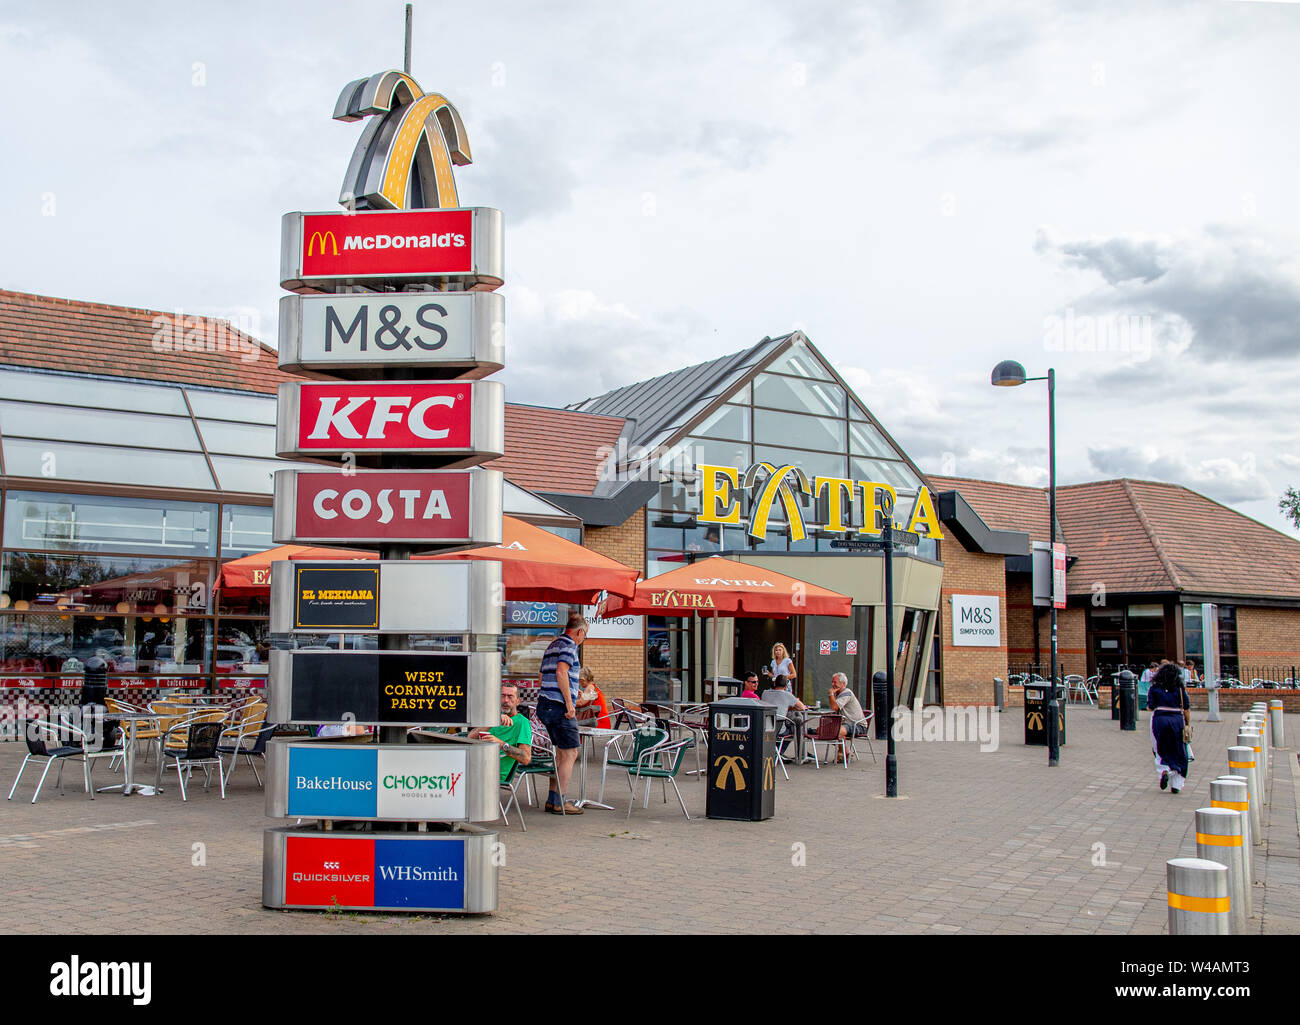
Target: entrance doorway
<point>820,647</point>
<point>754,640</point>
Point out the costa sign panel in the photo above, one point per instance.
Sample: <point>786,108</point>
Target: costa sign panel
<point>445,334</point>
<point>380,688</point>
<point>371,508</point>
<point>326,252</point>
<point>311,868</point>
<point>455,781</point>
<point>450,424</point>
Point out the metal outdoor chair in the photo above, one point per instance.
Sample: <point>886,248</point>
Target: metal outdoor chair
<point>543,760</point>
<point>511,784</point>
<point>63,742</point>
<point>862,728</point>
<point>249,739</point>
<point>660,759</point>
<point>786,731</point>
<point>201,740</point>
<point>1076,685</point>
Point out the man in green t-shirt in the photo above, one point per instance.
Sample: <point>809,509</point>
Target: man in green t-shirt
<point>515,734</point>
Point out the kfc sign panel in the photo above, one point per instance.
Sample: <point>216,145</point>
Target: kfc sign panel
<point>430,418</point>
<point>437,507</point>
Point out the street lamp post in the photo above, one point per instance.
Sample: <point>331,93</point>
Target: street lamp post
<point>1008,374</point>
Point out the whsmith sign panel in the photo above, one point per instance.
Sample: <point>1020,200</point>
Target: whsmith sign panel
<point>370,508</point>
<point>327,252</point>
<point>451,782</point>
<point>379,688</point>
<point>457,334</point>
<point>308,868</point>
<point>408,596</point>
<point>456,422</point>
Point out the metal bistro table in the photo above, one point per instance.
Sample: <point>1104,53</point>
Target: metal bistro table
<point>595,733</point>
<point>802,720</point>
<point>128,784</point>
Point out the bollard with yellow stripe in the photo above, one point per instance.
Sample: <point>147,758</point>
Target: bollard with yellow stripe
<point>1231,794</point>
<point>1241,762</point>
<point>1253,738</point>
<point>1219,838</point>
<point>1259,721</point>
<point>1198,898</point>
<point>1276,712</point>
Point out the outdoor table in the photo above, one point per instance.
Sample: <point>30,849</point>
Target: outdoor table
<point>801,722</point>
<point>128,784</point>
<point>595,733</point>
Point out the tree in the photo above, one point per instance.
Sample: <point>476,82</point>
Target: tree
<point>1290,505</point>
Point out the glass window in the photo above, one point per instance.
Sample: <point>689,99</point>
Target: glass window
<point>727,422</point>
<point>245,529</point>
<point>253,476</point>
<point>1193,635</point>
<point>743,394</point>
<point>681,497</point>
<point>243,648</point>
<point>775,428</point>
<point>106,464</point>
<point>238,439</point>
<point>797,396</point>
<point>70,423</point>
<point>120,584</point>
<point>94,394</point>
<point>865,440</point>
<point>573,534</point>
<point>800,362</point>
<point>252,409</point>
<point>824,464</point>
<point>717,453</point>
<point>885,471</point>
<point>84,523</point>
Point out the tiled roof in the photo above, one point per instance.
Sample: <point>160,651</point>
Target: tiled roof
<point>118,341</point>
<point>1136,535</point>
<point>556,450</point>
<point>1005,506</point>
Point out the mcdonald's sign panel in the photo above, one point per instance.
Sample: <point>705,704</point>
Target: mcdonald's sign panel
<point>321,252</point>
<point>722,489</point>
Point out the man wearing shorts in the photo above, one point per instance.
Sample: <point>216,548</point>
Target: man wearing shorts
<point>557,711</point>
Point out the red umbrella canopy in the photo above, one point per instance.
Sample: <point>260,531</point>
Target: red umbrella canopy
<point>718,586</point>
<point>536,565</point>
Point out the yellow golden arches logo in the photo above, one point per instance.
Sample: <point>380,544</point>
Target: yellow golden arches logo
<point>731,767</point>
<point>324,239</point>
<point>1034,720</point>
<point>767,490</point>
<point>415,131</point>
<point>769,777</point>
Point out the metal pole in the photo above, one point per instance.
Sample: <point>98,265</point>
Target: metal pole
<point>1053,740</point>
<point>891,757</point>
<point>406,57</point>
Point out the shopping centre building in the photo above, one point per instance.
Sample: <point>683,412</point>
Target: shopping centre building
<point>133,466</point>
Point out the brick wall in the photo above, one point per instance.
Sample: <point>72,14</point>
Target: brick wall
<point>968,671</point>
<point>1268,637</point>
<point>1071,630</point>
<point>619,664</point>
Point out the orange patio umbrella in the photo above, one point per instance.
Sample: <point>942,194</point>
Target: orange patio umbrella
<point>724,587</point>
<point>536,565</point>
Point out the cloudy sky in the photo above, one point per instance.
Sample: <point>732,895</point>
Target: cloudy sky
<point>924,188</point>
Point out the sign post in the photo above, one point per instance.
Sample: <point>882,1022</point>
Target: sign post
<point>396,324</point>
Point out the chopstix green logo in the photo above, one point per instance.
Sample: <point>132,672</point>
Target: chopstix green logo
<point>446,782</point>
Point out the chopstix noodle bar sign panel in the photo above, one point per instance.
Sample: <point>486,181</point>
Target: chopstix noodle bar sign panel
<point>336,598</point>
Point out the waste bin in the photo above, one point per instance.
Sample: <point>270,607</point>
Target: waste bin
<point>742,761</point>
<point>1114,696</point>
<point>94,682</point>
<point>1037,696</point>
<point>999,693</point>
<point>719,688</point>
<point>880,702</point>
<point>1127,701</point>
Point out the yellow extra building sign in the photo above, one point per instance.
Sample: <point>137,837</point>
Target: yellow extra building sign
<point>722,486</point>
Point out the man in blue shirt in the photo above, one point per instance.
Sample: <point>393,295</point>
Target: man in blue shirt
<point>556,709</point>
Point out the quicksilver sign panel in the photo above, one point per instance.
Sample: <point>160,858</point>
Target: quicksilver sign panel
<point>311,868</point>
<point>332,779</point>
<point>417,597</point>
<point>444,334</point>
<point>383,688</point>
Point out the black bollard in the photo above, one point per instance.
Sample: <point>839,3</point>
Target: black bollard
<point>880,701</point>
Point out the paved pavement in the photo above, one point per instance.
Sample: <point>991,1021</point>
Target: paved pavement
<point>978,842</point>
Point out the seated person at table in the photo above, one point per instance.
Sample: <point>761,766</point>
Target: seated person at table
<point>515,734</point>
<point>779,695</point>
<point>843,701</point>
<point>591,703</point>
<point>751,687</point>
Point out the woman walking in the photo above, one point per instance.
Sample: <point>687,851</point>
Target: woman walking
<point>1167,699</point>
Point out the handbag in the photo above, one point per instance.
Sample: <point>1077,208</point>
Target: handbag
<point>1187,729</point>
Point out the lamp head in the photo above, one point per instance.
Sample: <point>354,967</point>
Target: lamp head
<point>1007,374</point>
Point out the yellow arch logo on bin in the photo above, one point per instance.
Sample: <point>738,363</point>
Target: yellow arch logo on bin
<point>1034,720</point>
<point>769,777</point>
<point>731,767</point>
<point>415,131</point>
